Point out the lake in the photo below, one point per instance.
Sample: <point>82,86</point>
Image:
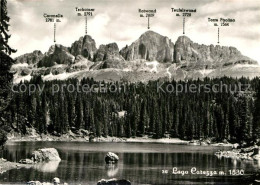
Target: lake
<point>141,163</point>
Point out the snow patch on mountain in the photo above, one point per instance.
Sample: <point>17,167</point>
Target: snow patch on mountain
<point>19,65</point>
<point>18,79</point>
<point>245,65</point>
<point>62,76</point>
<point>154,65</point>
<point>205,72</point>
<point>168,72</point>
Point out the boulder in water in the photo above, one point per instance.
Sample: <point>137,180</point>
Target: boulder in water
<point>111,158</point>
<point>38,183</point>
<point>114,182</point>
<point>45,155</point>
<point>34,183</point>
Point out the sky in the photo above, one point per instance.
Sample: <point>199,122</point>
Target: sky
<point>119,21</point>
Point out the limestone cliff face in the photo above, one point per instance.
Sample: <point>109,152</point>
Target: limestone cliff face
<point>108,52</point>
<point>85,46</point>
<point>194,55</point>
<point>150,46</point>
<point>57,54</point>
<point>150,57</point>
<point>30,58</point>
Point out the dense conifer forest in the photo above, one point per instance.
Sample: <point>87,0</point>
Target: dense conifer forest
<point>140,110</point>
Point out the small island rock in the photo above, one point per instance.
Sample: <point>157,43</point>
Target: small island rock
<point>45,154</point>
<point>111,158</point>
<point>114,182</point>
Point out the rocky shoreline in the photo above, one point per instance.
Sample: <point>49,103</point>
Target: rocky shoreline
<point>7,165</point>
<point>38,157</point>
<point>249,153</point>
<point>82,137</point>
<point>56,181</point>
<point>46,155</point>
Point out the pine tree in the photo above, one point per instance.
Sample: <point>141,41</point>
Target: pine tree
<point>4,25</point>
<point>86,113</point>
<point>244,134</point>
<point>71,110</point>
<point>256,114</point>
<point>97,117</point>
<point>39,116</point>
<point>157,121</point>
<point>106,121</point>
<point>92,121</point>
<point>226,127</point>
<point>128,129</point>
<point>134,119</point>
<point>144,120</point>
<point>5,75</point>
<point>79,113</point>
<point>232,119</point>
<point>44,114</point>
<point>63,114</point>
<point>176,122</point>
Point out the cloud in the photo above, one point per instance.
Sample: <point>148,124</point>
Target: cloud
<point>227,6</point>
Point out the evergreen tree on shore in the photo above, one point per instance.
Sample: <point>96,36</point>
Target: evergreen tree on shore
<point>221,116</point>
<point>256,115</point>
<point>5,76</point>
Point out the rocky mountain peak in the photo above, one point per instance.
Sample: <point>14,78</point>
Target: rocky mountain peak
<point>57,54</point>
<point>85,46</point>
<point>200,56</point>
<point>109,51</point>
<point>30,58</point>
<point>149,33</point>
<point>150,46</point>
<point>183,39</point>
<point>151,53</point>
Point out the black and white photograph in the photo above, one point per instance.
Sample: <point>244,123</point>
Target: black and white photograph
<point>129,92</point>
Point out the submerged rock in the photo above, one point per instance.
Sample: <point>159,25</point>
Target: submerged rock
<point>45,155</point>
<point>112,170</point>
<point>34,183</point>
<point>56,181</point>
<point>48,167</point>
<point>26,161</point>
<point>111,158</point>
<point>114,182</point>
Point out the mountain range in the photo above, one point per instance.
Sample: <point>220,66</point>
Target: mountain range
<point>151,57</point>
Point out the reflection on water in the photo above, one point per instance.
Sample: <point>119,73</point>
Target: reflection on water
<point>112,170</point>
<point>140,163</point>
<point>50,166</point>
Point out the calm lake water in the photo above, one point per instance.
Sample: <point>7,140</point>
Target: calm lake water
<point>141,163</point>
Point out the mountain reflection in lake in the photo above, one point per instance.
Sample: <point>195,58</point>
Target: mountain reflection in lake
<point>141,163</point>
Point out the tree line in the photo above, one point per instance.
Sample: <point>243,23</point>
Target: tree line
<point>140,110</point>
<point>5,64</point>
